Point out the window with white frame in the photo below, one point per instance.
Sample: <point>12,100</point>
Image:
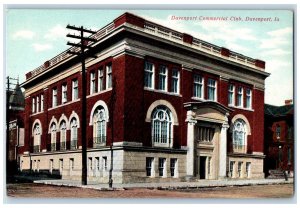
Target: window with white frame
<point>211,90</point>
<point>37,137</point>
<point>97,164</point>
<point>173,167</point>
<point>231,168</point>
<point>240,164</point>
<point>204,134</point>
<point>64,93</point>
<point>90,166</point>
<point>53,136</point>
<point>71,165</point>
<point>248,98</point>
<point>198,86</point>
<point>248,169</point>
<point>54,97</point>
<point>42,102</point>
<point>75,89</point>
<point>37,104</point>
<point>162,78</point>
<point>175,84</point>
<point>74,133</point>
<point>104,163</point>
<point>108,76</point>
<point>150,166</point>
<point>149,75</point>
<point>92,83</point>
<point>100,79</point>
<point>239,135</point>
<point>231,93</point>
<point>162,127</point>
<point>162,167</point>
<point>63,135</point>
<point>240,97</point>
<point>99,125</point>
<point>33,105</point>
<point>61,166</point>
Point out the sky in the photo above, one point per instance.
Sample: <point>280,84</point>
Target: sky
<point>33,36</point>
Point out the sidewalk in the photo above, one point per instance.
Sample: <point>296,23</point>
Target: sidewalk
<point>169,185</point>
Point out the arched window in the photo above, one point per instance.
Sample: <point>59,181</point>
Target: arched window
<point>63,135</point>
<point>99,125</point>
<point>239,136</point>
<point>53,136</point>
<point>162,127</point>
<point>74,135</point>
<point>37,138</point>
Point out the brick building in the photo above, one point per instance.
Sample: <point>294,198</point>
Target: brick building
<point>183,108</point>
<point>279,138</point>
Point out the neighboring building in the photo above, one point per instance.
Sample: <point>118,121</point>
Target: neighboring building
<point>16,127</point>
<point>279,138</point>
<point>184,109</point>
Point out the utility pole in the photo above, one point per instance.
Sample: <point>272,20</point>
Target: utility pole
<point>83,45</point>
<point>8,90</point>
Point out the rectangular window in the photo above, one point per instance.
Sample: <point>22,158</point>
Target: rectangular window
<point>37,104</point>
<point>97,164</point>
<point>248,98</point>
<point>208,165</point>
<point>149,166</point>
<point>51,166</point>
<point>64,93</point>
<point>100,80</point>
<point>248,169</point>
<point>175,81</point>
<point>71,165</point>
<point>104,162</point>
<point>61,166</point>
<point>173,167</point>
<point>108,76</point>
<point>38,165</point>
<point>231,166</point>
<point>75,89</point>
<point>211,90</point>
<point>161,167</point>
<point>240,97</point>
<point>33,105</point>
<point>240,169</point>
<point>93,83</point>
<point>149,75</point>
<point>231,99</point>
<point>198,86</point>
<point>42,103</point>
<point>162,85</point>
<point>54,97</point>
<point>90,164</point>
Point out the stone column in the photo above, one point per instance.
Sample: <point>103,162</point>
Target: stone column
<point>190,156</point>
<point>223,151</point>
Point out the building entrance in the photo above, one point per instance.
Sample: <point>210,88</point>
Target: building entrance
<point>202,167</point>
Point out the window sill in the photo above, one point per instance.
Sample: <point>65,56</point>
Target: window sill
<point>241,108</point>
<point>98,93</point>
<point>67,103</point>
<point>163,92</point>
<point>35,114</point>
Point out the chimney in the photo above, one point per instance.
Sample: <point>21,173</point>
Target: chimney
<point>288,102</point>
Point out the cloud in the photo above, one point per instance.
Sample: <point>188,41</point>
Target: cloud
<point>58,31</point>
<point>276,52</point>
<point>41,47</point>
<point>277,38</point>
<point>23,34</point>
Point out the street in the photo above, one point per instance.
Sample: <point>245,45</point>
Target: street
<point>25,190</point>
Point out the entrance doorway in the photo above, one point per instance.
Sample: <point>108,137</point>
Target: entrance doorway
<point>202,167</point>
